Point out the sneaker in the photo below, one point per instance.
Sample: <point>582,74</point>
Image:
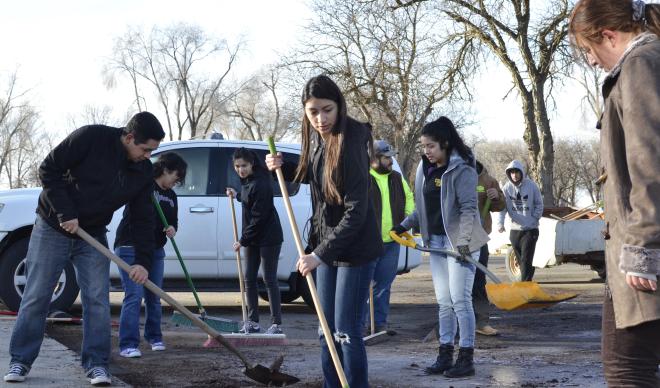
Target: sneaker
<point>99,376</point>
<point>16,373</point>
<point>250,327</point>
<point>130,353</point>
<point>274,329</point>
<point>158,346</point>
<point>487,330</point>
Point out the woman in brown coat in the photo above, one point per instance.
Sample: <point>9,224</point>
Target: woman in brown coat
<point>621,36</point>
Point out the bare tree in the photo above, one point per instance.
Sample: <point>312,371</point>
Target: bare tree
<point>176,62</point>
<point>18,131</point>
<point>94,114</point>
<point>531,44</point>
<point>263,107</point>
<point>395,69</point>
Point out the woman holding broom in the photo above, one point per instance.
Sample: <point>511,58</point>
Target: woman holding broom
<point>448,217</point>
<point>261,237</point>
<point>344,236</point>
<point>169,171</point>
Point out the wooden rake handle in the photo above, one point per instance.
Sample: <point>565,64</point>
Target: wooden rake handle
<point>164,296</point>
<point>241,281</point>
<point>309,277</point>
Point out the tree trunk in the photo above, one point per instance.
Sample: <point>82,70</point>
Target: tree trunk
<point>546,157</point>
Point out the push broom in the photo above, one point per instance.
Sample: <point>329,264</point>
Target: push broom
<point>310,279</point>
<point>220,324</point>
<point>271,377</point>
<point>245,339</point>
<point>374,337</point>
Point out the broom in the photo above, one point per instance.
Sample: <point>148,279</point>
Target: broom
<point>245,339</point>
<point>220,324</point>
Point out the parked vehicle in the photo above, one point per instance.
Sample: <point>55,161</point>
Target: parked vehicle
<point>573,241</point>
<point>204,238</point>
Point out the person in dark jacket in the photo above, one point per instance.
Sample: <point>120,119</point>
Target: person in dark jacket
<point>169,171</point>
<point>90,174</point>
<point>261,236</point>
<point>621,37</point>
<point>447,215</point>
<point>344,236</point>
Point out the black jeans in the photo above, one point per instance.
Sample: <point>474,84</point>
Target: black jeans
<point>268,257</point>
<point>631,355</point>
<point>479,297</point>
<point>524,244</point>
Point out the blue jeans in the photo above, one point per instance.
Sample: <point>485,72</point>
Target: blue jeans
<point>342,291</point>
<point>48,253</point>
<point>452,281</point>
<point>129,320</point>
<point>383,272</point>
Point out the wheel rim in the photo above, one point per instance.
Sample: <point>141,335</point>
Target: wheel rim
<point>20,279</point>
<point>513,264</point>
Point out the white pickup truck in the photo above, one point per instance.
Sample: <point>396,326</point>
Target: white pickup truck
<point>205,229</point>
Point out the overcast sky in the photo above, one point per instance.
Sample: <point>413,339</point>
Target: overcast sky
<point>58,48</point>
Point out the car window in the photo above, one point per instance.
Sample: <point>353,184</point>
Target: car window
<point>234,181</point>
<point>197,181</point>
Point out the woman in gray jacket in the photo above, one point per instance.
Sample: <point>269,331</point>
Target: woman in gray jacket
<point>448,216</point>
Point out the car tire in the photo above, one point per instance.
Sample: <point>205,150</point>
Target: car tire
<point>600,270</point>
<point>512,266</point>
<point>285,296</point>
<point>304,291</point>
<point>12,268</point>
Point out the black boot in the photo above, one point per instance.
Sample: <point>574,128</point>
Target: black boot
<point>464,364</point>
<point>444,360</point>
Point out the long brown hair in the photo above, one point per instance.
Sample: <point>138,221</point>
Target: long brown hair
<point>322,86</point>
<point>590,17</point>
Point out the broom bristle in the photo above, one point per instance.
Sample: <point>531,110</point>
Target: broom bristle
<point>238,339</point>
<point>219,324</point>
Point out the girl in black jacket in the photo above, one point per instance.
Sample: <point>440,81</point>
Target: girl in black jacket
<point>261,237</point>
<point>169,171</point>
<point>344,235</point>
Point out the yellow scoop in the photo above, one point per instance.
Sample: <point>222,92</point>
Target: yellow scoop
<point>506,296</point>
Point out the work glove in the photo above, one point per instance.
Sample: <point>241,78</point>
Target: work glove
<point>464,252</point>
<point>399,229</point>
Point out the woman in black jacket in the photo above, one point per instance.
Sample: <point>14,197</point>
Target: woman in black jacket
<point>344,235</point>
<point>261,237</point>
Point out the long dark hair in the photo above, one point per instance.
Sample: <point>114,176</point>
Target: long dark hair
<point>590,17</point>
<point>322,86</point>
<point>172,162</point>
<point>444,132</point>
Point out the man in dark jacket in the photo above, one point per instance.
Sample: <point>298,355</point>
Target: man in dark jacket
<point>90,174</point>
<point>393,201</point>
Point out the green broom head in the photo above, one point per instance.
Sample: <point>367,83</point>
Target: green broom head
<point>219,324</point>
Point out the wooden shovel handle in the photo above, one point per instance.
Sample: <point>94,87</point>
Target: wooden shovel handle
<point>309,277</point>
<point>164,296</point>
<point>241,281</point>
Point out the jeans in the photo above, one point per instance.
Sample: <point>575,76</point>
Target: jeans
<point>129,319</point>
<point>479,296</point>
<point>452,281</point>
<point>268,258</point>
<point>342,291</point>
<point>382,271</point>
<point>524,244</point>
<point>631,355</point>
<point>48,253</point>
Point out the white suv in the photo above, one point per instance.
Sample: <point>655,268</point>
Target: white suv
<point>204,237</point>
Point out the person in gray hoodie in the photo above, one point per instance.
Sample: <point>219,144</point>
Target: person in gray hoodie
<point>448,217</point>
<point>524,205</point>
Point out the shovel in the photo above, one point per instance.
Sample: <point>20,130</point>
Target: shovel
<point>506,296</point>
<point>310,280</point>
<point>259,373</point>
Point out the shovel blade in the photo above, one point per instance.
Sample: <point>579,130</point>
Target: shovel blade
<point>523,295</point>
<point>265,376</point>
